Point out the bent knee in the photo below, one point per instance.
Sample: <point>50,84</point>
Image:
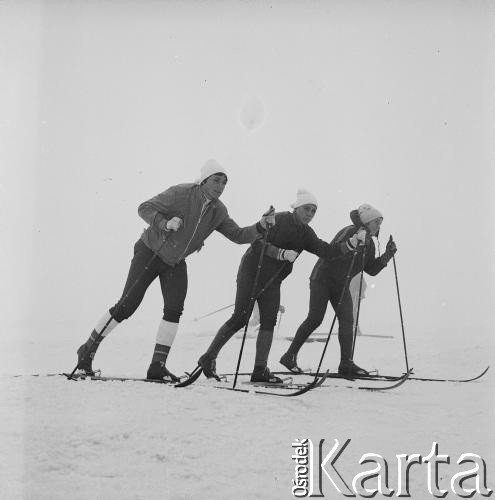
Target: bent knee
<point>121,312</point>
<point>172,315</point>
<point>313,322</point>
<point>235,323</point>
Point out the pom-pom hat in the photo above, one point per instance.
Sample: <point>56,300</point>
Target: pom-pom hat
<point>304,197</point>
<point>367,213</point>
<point>211,167</point>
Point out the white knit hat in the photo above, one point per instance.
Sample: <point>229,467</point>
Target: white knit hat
<point>367,213</point>
<point>304,197</point>
<point>209,168</point>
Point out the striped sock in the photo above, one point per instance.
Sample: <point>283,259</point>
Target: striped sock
<point>164,339</point>
<point>160,353</point>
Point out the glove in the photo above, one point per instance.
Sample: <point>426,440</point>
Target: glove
<point>174,224</point>
<point>268,219</point>
<point>357,239</point>
<point>288,255</point>
<point>390,249</point>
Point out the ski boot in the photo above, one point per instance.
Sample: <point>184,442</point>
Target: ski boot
<point>348,368</point>
<point>290,362</point>
<point>263,374</point>
<point>85,360</point>
<point>158,371</point>
<point>209,366</point>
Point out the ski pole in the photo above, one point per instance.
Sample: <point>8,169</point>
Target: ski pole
<point>359,302</point>
<point>212,313</point>
<point>121,300</point>
<point>400,309</point>
<point>337,310</point>
<point>252,299</point>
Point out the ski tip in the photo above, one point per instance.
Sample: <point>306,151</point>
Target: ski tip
<point>398,383</point>
<point>482,373</point>
<point>195,374</point>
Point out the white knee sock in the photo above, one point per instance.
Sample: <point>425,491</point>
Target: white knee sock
<point>166,333</point>
<point>103,321</point>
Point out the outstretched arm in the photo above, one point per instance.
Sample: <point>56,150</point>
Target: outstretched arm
<point>339,245</point>
<point>233,232</point>
<point>241,235</point>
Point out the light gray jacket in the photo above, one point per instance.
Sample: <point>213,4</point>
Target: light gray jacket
<point>200,218</point>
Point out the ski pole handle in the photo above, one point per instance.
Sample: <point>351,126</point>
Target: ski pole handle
<point>268,217</point>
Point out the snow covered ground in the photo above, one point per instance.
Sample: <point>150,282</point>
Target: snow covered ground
<point>113,440</point>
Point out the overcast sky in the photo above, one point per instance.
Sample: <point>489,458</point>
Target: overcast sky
<point>105,104</point>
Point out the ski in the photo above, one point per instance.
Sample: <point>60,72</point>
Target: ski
<point>298,392</point>
<point>412,377</point>
<point>396,384</point>
<point>83,376</point>
<point>287,383</point>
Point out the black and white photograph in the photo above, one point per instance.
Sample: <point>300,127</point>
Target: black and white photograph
<point>248,249</point>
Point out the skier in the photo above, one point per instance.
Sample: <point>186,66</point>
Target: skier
<point>287,239</point>
<point>327,282</point>
<point>179,219</point>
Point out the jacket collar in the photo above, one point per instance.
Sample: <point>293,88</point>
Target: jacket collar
<point>204,198</point>
<point>355,218</point>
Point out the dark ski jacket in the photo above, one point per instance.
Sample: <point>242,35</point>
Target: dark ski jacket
<point>334,271</point>
<point>200,218</point>
<point>287,233</point>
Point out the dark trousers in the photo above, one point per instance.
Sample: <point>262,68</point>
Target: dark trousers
<point>268,303</point>
<point>320,295</point>
<point>173,282</point>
